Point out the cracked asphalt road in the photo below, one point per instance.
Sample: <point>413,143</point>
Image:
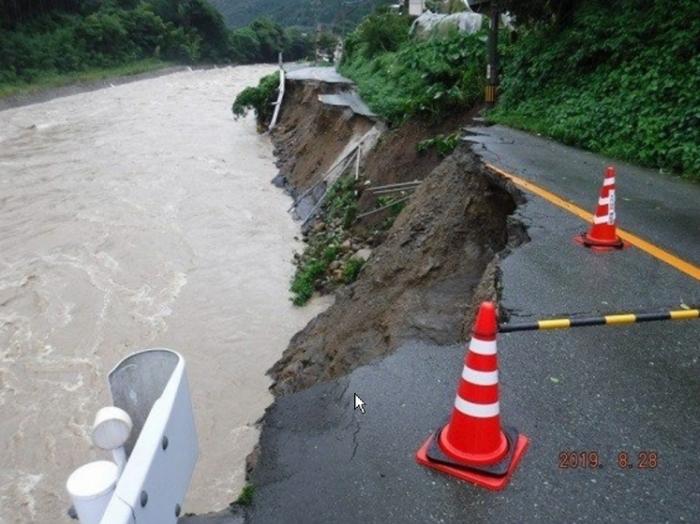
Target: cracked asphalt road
<point>602,389</point>
<point>660,208</point>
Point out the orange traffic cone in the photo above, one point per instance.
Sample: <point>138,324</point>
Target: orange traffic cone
<point>602,233</point>
<point>472,446</point>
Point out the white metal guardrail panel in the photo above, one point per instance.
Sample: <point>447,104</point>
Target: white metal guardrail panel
<point>118,512</point>
<point>155,480</point>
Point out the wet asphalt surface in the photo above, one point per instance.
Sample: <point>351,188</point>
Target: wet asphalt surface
<point>598,389</point>
<point>659,208</point>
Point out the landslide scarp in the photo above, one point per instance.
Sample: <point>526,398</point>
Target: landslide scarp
<point>418,284</point>
<point>426,270</point>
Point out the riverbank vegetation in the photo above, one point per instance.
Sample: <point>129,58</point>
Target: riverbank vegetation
<point>329,257</point>
<point>259,99</point>
<point>51,80</point>
<point>76,38</point>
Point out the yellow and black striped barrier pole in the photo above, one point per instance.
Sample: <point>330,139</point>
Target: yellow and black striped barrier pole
<point>603,320</point>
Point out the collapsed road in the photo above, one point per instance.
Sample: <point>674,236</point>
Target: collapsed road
<point>596,390</point>
<point>609,391</point>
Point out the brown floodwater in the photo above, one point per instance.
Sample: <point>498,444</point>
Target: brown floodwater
<point>131,217</point>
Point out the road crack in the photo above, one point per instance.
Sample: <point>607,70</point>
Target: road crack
<point>355,443</point>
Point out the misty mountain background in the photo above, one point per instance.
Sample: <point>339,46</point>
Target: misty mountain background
<point>339,14</point>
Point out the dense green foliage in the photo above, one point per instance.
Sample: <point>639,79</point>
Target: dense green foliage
<point>340,15</point>
<point>70,36</point>
<point>246,496</point>
<point>13,12</point>
<point>382,32</point>
<point>341,202</point>
<point>352,270</point>
<point>263,39</point>
<point>324,244</point>
<point>310,273</point>
<point>106,34</point>
<point>559,12</point>
<point>623,78</point>
<point>259,99</point>
<point>442,144</point>
<point>400,77</point>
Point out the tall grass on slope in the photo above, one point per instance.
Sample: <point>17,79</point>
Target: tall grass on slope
<point>400,77</point>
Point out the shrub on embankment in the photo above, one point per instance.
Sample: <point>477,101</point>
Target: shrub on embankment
<point>260,99</point>
<point>621,78</point>
<point>400,77</point>
<point>330,257</point>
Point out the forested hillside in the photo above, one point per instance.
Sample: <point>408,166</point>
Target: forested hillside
<point>342,15</point>
<point>42,39</point>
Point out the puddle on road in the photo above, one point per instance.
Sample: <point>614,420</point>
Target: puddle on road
<point>133,217</point>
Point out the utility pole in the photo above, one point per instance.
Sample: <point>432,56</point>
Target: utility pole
<point>492,47</point>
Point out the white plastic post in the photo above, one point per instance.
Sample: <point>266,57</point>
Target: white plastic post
<point>110,431</point>
<point>91,487</point>
<point>119,456</point>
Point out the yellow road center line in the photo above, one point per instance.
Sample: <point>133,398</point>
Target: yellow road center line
<point>620,319</point>
<point>685,314</point>
<point>557,323</point>
<point>655,251</point>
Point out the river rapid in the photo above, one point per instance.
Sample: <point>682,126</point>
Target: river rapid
<point>131,217</point>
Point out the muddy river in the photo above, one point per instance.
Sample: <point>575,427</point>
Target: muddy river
<point>131,217</point>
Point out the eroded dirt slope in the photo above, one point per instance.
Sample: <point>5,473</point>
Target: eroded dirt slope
<point>311,135</point>
<point>418,284</point>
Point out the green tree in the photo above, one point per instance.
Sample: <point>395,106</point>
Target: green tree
<point>105,37</point>
<point>299,44</point>
<point>271,37</point>
<point>146,29</point>
<point>380,33</point>
<point>244,45</point>
<point>326,43</point>
<point>200,16</point>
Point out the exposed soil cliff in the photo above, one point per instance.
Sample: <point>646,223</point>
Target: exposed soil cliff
<point>418,283</point>
<point>439,254</point>
<point>311,135</point>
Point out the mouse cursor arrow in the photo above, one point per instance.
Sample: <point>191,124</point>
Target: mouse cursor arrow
<point>359,403</point>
